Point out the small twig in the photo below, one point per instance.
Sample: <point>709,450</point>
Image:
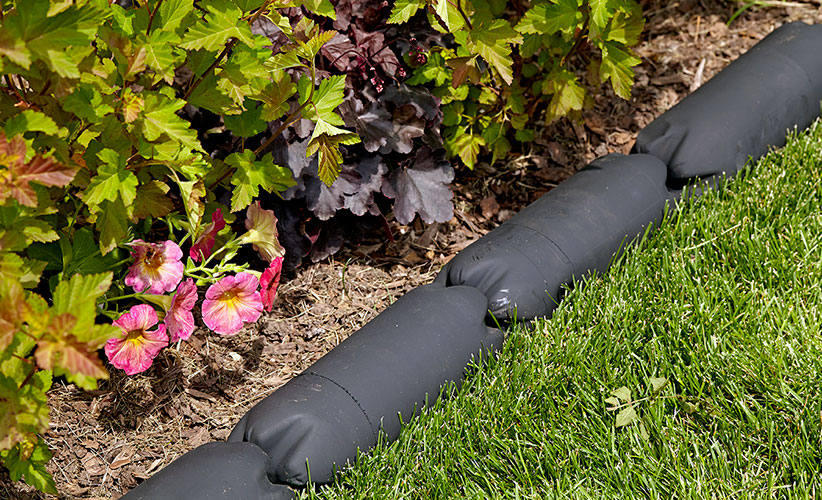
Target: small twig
<point>464,15</point>
<point>577,43</point>
<point>13,88</point>
<point>217,61</point>
<point>152,14</point>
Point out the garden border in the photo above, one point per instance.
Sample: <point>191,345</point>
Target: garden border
<point>382,374</point>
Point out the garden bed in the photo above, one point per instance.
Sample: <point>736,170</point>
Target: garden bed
<point>106,441</point>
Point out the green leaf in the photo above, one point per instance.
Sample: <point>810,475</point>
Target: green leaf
<point>78,296</point>
<point>23,410</point>
<point>467,146</point>
<point>309,49</point>
<point>325,141</point>
<point>657,384</point>
<point>223,21</point>
<point>112,221</point>
<point>86,102</point>
<point>33,121</point>
<point>283,60</point>
<point>601,11</point>
<point>84,256</point>
<point>493,42</point>
<point>31,467</point>
<point>625,28</point>
<point>208,95</point>
<point>567,95</point>
<point>623,393</point>
<point>545,18</point>
<point>251,175</point>
<point>248,123</point>
<point>14,49</point>
<point>159,117</point>
<point>152,201</point>
<point>524,135</point>
<point>626,416</point>
<point>112,181</point>
<point>160,54</point>
<point>617,65</point>
<point>404,9</point>
<point>495,140</point>
<point>172,13</point>
<point>613,401</point>
<point>275,96</point>
<point>320,7</point>
<point>327,97</point>
<point>248,5</point>
<point>447,12</point>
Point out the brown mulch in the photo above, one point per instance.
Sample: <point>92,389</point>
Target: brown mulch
<point>105,442</point>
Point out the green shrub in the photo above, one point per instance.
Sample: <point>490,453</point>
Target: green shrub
<point>513,64</point>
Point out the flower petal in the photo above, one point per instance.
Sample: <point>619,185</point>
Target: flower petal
<point>262,232</point>
<point>135,355</point>
<point>180,320</point>
<point>219,316</point>
<point>205,243</point>
<point>156,268</point>
<point>269,282</point>
<point>139,317</point>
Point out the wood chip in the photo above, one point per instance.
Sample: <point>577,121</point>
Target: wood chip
<point>122,458</point>
<point>201,395</point>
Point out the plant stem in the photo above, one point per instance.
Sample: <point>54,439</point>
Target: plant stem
<point>288,121</point>
<point>14,89</point>
<point>577,43</point>
<point>217,61</point>
<point>128,296</point>
<point>151,16</point>
<point>464,15</point>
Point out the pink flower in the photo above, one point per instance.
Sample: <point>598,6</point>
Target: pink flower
<point>205,243</point>
<point>179,318</point>
<point>136,349</point>
<point>156,266</point>
<point>262,232</point>
<point>230,302</point>
<point>269,282</point>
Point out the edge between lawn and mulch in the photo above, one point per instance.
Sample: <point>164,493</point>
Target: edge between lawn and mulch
<point>691,369</point>
<point>694,354</point>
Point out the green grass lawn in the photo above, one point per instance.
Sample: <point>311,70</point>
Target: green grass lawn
<point>724,302</point>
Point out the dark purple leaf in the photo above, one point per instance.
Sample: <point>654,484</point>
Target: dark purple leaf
<point>328,239</point>
<point>324,200</point>
<point>292,155</point>
<point>373,46</point>
<point>342,53</point>
<point>422,188</point>
<point>370,173</point>
<point>290,236</point>
<point>424,102</point>
<point>407,125</point>
<point>354,190</point>
<point>373,125</point>
<point>363,13</point>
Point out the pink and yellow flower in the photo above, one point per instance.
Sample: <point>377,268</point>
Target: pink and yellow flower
<point>157,267</point>
<point>269,282</point>
<point>262,232</point>
<point>231,302</point>
<point>205,243</point>
<point>136,349</point>
<point>179,319</point>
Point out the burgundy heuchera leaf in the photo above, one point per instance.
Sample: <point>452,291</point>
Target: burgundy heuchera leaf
<point>422,188</point>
